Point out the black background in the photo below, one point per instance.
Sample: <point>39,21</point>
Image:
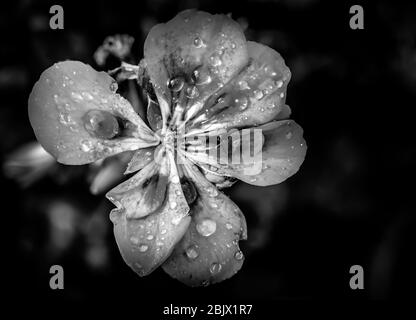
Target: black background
<point>352,91</point>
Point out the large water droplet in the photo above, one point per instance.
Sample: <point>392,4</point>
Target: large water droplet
<point>201,76</point>
<point>206,227</point>
<point>173,205</point>
<point>101,124</point>
<point>176,84</point>
<point>192,252</point>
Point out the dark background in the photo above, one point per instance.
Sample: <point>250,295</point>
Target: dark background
<point>352,91</point>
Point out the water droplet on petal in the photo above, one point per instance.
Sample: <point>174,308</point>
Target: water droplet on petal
<point>198,42</point>
<point>192,92</point>
<point>176,84</point>
<point>239,255</point>
<point>134,240</point>
<point>241,103</point>
<point>229,226</point>
<point>173,205</point>
<point>113,86</point>
<point>86,145</point>
<point>101,124</point>
<point>243,85</point>
<point>77,97</point>
<point>215,268</point>
<point>201,76</point>
<point>206,227</point>
<point>258,94</point>
<point>143,248</point>
<point>192,253</point>
<point>175,179</point>
<point>215,60</point>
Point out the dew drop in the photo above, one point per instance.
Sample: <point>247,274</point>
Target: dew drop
<point>239,255</point>
<point>201,76</point>
<point>198,42</point>
<point>215,60</point>
<point>86,145</point>
<point>77,97</point>
<point>113,86</point>
<point>279,84</point>
<point>206,227</point>
<point>163,231</point>
<point>243,85</point>
<point>101,124</point>
<point>175,179</point>
<point>176,220</point>
<point>241,103</point>
<point>205,283</point>
<point>173,205</point>
<point>229,226</point>
<point>150,237</point>
<point>192,253</point>
<point>215,268</point>
<point>134,240</point>
<point>258,94</point>
<point>176,84</point>
<point>143,248</point>
<point>192,92</point>
<point>87,95</point>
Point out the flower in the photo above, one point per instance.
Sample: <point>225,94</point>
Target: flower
<point>202,79</point>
